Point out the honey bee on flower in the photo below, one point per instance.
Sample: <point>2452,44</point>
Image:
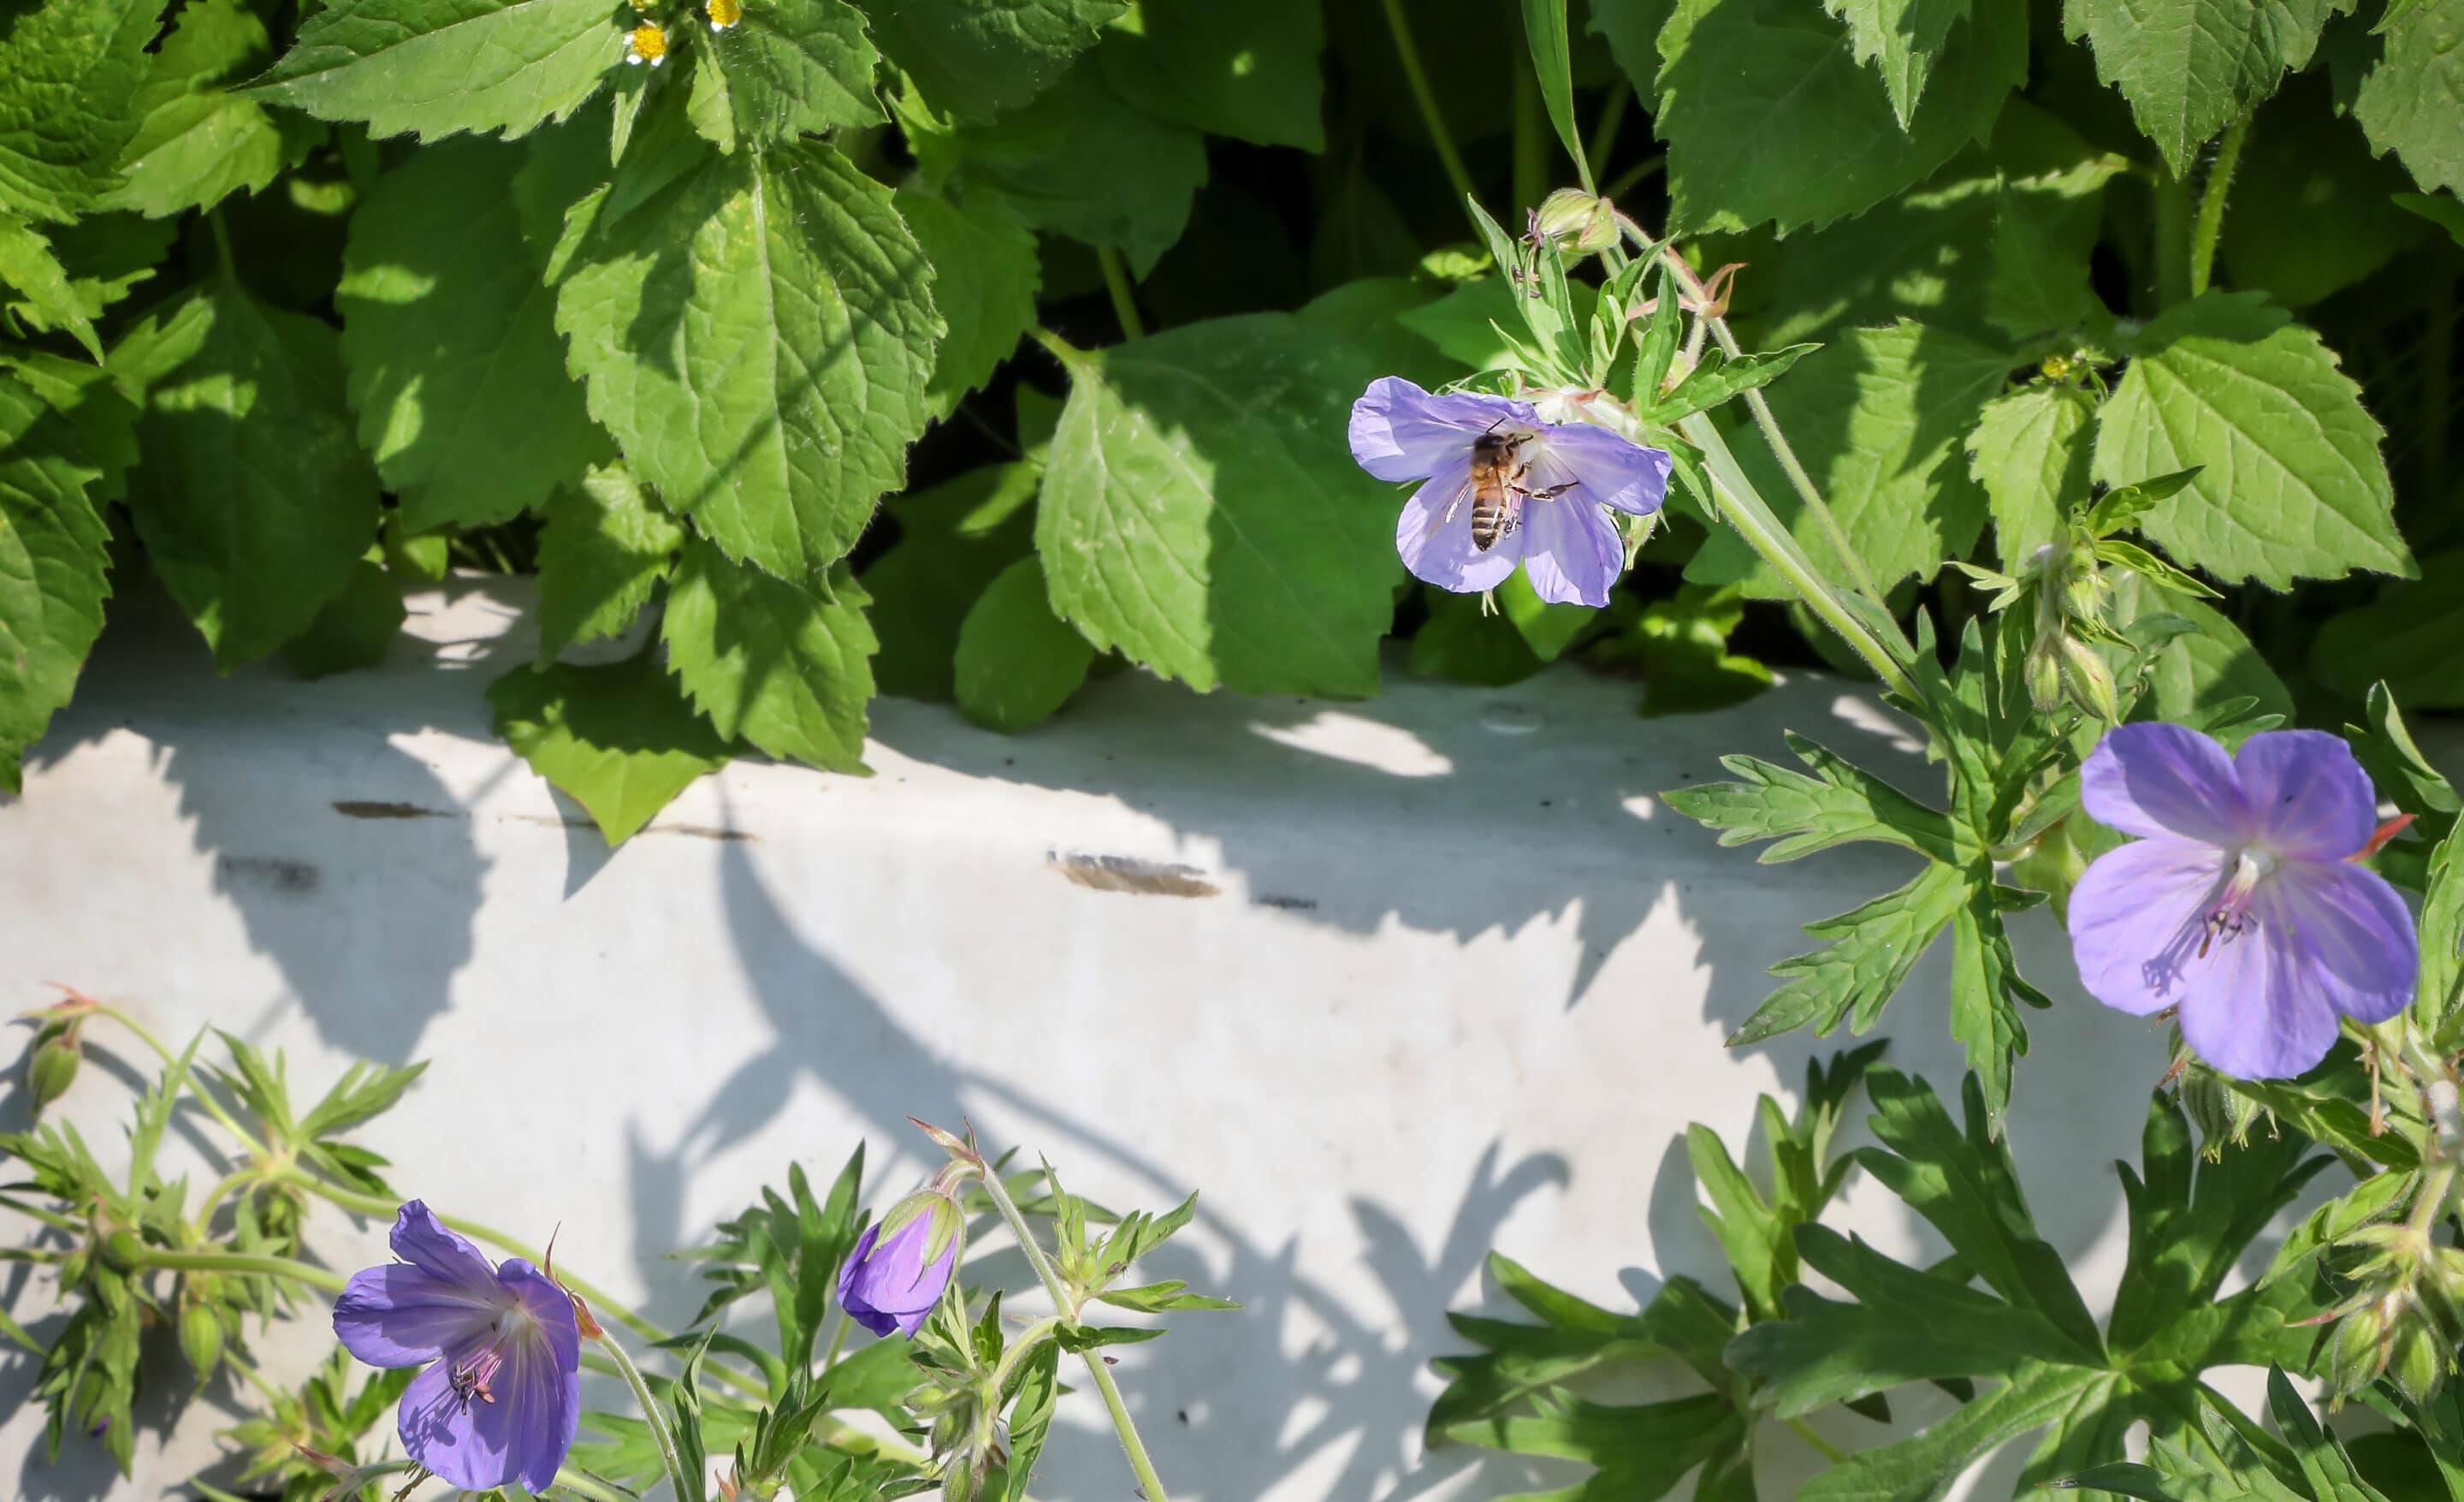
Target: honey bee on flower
<point>647,43</point>
<point>724,13</point>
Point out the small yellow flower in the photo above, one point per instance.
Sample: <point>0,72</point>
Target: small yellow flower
<point>724,13</point>
<point>646,43</point>
<point>2058,368</point>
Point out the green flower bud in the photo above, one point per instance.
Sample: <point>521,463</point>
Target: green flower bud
<point>1570,219</point>
<point>2417,1361</point>
<point>200,1336</point>
<point>2090,680</point>
<point>52,1069</point>
<point>2044,673</point>
<point>958,1481</point>
<point>124,1251</point>
<point>2360,1352</point>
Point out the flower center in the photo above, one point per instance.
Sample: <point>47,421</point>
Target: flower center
<point>2230,917</point>
<point>472,1376</point>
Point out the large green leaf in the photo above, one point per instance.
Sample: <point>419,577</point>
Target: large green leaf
<point>1880,419</point>
<point>1017,662</point>
<point>196,141</point>
<point>438,67</point>
<point>2407,101</point>
<point>2030,451</point>
<point>1201,512</point>
<point>2312,210</point>
<point>1247,70</point>
<point>1743,76</point>
<point>955,539</point>
<point>1080,163</point>
<point>780,664</point>
<point>784,67</point>
<point>758,331</point>
<point>2192,67</point>
<point>53,555</point>
<point>604,549</point>
<point>356,628</point>
<point>618,740</point>
<point>29,265</point>
<point>2405,638</point>
<point>456,369</point>
<point>1901,39</point>
<point>976,58</point>
<point>104,256</point>
<point>985,275</point>
<point>64,99</point>
<point>2291,482</point>
<point>253,499</point>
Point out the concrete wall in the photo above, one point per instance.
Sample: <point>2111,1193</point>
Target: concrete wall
<point>1392,982</point>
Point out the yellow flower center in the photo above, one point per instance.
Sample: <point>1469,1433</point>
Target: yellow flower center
<point>724,14</point>
<point>649,42</point>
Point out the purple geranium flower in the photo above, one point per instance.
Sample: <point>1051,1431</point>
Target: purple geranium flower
<point>1559,475</point>
<point>2238,906</point>
<point>901,1265</point>
<point>503,1398</point>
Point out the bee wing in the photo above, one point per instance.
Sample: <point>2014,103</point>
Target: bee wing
<point>1454,507</point>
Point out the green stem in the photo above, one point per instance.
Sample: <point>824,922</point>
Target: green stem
<point>1117,281</point>
<point>1150,1486</point>
<point>1426,98</point>
<point>241,1262</point>
<point>2172,240</point>
<point>1530,149</point>
<point>665,1441</point>
<point>195,1088</point>
<point>1823,1446</point>
<point>229,261</point>
<point>1604,130</point>
<point>215,1195</point>
<point>838,1338</point>
<point>2211,203</point>
<point>582,1483</point>
<point>1022,1344</point>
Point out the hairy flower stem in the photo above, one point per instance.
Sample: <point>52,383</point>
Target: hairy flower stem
<point>1409,53</point>
<point>2172,231</point>
<point>1117,281</point>
<point>1530,152</point>
<point>196,1090</point>
<point>2211,203</point>
<point>1823,1448</point>
<point>1604,130</point>
<point>1150,1486</point>
<point>660,1437</point>
<point>238,1262</point>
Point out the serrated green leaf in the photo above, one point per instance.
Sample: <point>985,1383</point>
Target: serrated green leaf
<point>978,58</point>
<point>2445,212</point>
<point>1986,994</point>
<point>1463,642</point>
<point>28,264</point>
<point>2292,486</point>
<point>94,404</point>
<point>1249,70</point>
<point>2030,451</point>
<point>1478,324</point>
<point>985,277</point>
<point>1631,28</point>
<point>1922,1467</point>
<point>2044,229</point>
<point>1880,419</point>
<point>1080,162</point>
<point>771,662</point>
<point>1030,1420</point>
<point>758,331</point>
<point>2407,102</point>
<point>603,550</point>
<point>1719,379</point>
<point>1839,803</point>
<point>618,740</point>
<point>785,68</point>
<point>54,559</point>
<point>253,499</point>
<point>2313,212</point>
<point>1200,512</point>
<point>955,538</point>
<point>455,368</point>
<point>439,67</point>
<point>1739,73</point>
<point>1870,951</point>
<point>104,255</point>
<point>355,628</point>
<point>2192,67</point>
<point>1544,30</point>
<point>65,101</point>
<point>1017,661</point>
<point>1641,1451</point>
<point>197,143</point>
<point>1900,39</point>
<point>1546,628</point>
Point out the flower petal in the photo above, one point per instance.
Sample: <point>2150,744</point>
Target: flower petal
<point>2253,1019</point>
<point>440,1430</point>
<point>2164,780</point>
<point>549,1306</point>
<point>2136,920</point>
<point>2350,939</point>
<point>937,1277</point>
<point>1401,432</point>
<point>1437,548</point>
<point>401,1315</point>
<point>539,1387</point>
<point>1623,475</point>
<point>420,1239</point>
<point>1570,550</point>
<point>2307,793</point>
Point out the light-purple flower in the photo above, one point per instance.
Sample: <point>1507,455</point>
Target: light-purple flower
<point>901,1264</point>
<point>503,1398</point>
<point>1568,547</point>
<point>2238,904</point>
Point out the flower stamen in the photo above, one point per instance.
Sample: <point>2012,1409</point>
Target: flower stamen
<point>2231,919</point>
